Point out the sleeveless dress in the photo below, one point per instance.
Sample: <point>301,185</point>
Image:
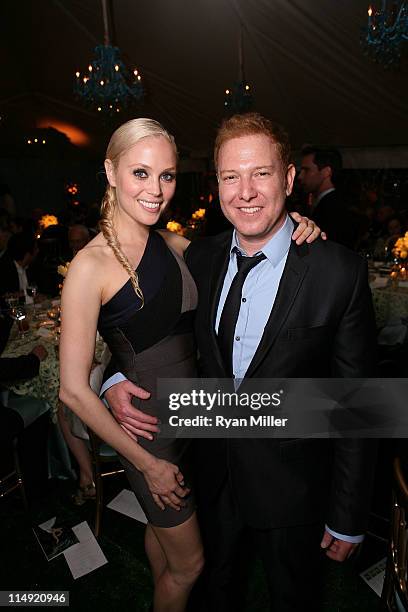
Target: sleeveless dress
<point>152,342</point>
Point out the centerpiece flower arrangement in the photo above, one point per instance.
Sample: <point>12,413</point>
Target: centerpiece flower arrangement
<point>400,251</point>
<point>63,269</point>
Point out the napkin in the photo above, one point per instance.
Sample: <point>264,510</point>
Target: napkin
<point>43,332</point>
<point>379,282</point>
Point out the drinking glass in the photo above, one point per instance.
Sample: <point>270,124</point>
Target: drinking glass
<point>32,292</point>
<point>19,316</point>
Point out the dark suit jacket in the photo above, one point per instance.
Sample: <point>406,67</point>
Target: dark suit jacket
<point>333,216</point>
<point>8,275</point>
<point>321,325</point>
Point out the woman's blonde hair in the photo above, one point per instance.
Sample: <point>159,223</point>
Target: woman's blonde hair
<point>125,137</point>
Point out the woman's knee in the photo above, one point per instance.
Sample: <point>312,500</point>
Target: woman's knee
<point>188,572</point>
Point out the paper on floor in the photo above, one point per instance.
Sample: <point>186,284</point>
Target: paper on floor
<point>374,576</point>
<point>126,503</point>
<point>85,556</point>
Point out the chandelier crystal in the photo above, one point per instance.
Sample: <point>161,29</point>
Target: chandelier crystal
<point>108,86</point>
<point>386,31</point>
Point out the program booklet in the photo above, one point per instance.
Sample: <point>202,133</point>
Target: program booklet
<point>54,536</point>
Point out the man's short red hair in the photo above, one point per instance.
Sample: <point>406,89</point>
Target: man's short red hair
<point>248,124</point>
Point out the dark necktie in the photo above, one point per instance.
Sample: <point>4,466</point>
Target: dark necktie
<point>229,316</point>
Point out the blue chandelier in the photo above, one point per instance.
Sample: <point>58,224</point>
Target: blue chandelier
<point>108,86</point>
<point>386,31</point>
<point>238,99</point>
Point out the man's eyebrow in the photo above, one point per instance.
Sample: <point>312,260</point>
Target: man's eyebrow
<point>256,168</point>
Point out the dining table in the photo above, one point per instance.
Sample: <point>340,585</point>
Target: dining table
<point>43,326</point>
<point>390,296</point>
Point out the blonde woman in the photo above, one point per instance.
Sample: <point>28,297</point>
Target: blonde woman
<point>131,283</point>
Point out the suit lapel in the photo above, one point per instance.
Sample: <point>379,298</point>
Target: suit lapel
<point>217,271</point>
<point>290,283</point>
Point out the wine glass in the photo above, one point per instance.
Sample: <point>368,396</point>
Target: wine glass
<point>11,300</point>
<point>32,292</point>
<point>19,316</point>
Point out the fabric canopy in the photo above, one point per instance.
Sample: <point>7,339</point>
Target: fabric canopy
<point>303,60</point>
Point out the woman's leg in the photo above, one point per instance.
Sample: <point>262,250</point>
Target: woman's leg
<point>183,552</point>
<point>155,553</point>
<point>79,449</point>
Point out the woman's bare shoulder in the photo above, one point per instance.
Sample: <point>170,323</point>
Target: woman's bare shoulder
<point>92,258</point>
<point>176,242</point>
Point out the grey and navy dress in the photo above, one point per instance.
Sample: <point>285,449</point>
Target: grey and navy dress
<point>152,342</point>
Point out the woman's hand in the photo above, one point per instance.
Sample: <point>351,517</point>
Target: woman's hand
<point>166,484</point>
<point>307,230</point>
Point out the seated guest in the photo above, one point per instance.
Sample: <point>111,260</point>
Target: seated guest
<point>24,415</point>
<point>13,369</point>
<point>20,253</point>
<point>78,237</point>
<point>5,231</point>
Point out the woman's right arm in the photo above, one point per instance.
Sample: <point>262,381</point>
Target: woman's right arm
<point>80,304</point>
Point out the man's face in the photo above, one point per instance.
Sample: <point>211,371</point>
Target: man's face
<point>310,177</point>
<point>253,187</point>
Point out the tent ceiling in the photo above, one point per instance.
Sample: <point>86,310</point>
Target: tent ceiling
<point>303,60</point>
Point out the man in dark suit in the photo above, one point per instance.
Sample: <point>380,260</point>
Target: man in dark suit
<point>21,250</point>
<point>303,311</point>
<point>319,175</point>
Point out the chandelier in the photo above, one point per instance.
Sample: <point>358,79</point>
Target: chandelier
<point>108,86</point>
<point>238,98</point>
<point>386,31</point>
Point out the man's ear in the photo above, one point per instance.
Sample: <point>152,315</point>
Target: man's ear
<point>110,173</point>
<point>327,172</point>
<point>290,177</point>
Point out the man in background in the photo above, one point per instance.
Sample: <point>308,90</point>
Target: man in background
<point>319,175</point>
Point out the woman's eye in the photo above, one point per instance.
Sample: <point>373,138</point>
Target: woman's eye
<point>168,177</point>
<point>140,173</point>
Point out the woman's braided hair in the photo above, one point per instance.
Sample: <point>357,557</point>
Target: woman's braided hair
<point>125,137</point>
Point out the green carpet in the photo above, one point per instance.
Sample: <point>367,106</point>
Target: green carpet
<point>124,583</point>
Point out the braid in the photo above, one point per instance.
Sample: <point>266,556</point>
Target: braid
<point>108,230</point>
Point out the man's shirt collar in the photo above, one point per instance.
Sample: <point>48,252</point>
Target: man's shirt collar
<point>276,248</point>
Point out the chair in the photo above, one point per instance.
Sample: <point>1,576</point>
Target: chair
<point>394,594</point>
<point>101,454</point>
<point>14,479</point>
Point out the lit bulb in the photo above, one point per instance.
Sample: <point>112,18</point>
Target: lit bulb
<point>117,110</point>
<point>90,68</point>
<point>110,106</point>
<point>99,108</point>
<point>116,68</point>
<point>135,72</point>
<point>77,75</point>
<point>370,11</point>
<point>227,91</point>
<point>35,139</point>
<point>28,141</point>
<point>85,79</point>
<point>139,78</point>
<point>247,87</point>
<point>102,82</point>
<point>43,141</point>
